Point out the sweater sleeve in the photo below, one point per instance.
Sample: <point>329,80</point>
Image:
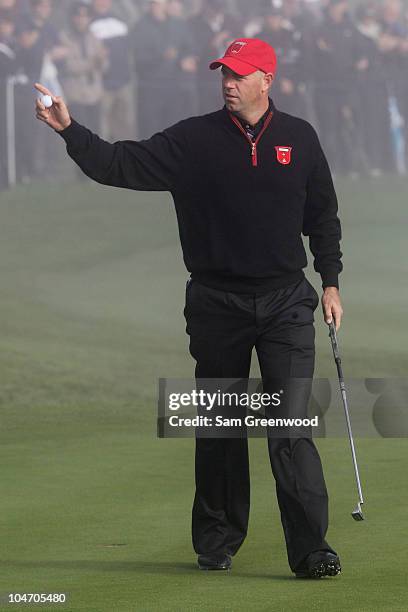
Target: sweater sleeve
<point>146,165</point>
<point>321,222</point>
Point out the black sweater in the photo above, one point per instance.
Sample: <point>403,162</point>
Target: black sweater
<point>240,211</point>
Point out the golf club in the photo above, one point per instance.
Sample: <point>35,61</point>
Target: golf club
<point>357,514</point>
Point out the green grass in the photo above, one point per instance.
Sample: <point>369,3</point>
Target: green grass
<point>92,503</point>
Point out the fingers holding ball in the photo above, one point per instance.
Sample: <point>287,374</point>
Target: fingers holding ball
<point>42,106</point>
<point>47,101</point>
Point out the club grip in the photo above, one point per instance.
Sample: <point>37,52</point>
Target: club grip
<point>335,347</point>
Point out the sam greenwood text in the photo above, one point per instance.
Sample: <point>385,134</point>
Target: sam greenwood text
<point>249,421</point>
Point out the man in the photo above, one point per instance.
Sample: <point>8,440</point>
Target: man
<point>156,58</point>
<point>183,93</point>
<point>117,112</point>
<point>371,100</point>
<point>393,45</point>
<point>81,74</point>
<point>336,55</point>
<point>288,44</point>
<point>246,180</point>
<point>8,67</point>
<point>212,28</point>
<point>37,40</point>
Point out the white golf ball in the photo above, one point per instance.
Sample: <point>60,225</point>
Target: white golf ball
<point>47,101</point>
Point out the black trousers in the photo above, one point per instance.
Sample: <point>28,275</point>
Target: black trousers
<point>224,328</point>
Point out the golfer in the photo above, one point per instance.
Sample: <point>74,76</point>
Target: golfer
<point>247,181</point>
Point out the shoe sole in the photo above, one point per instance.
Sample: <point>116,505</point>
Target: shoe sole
<point>324,568</point>
<point>214,569</point>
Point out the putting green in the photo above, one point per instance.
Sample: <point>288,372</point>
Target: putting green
<point>92,503</point>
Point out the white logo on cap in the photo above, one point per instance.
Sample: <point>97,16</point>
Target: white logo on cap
<point>237,46</point>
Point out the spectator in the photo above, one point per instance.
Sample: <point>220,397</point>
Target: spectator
<point>8,9</point>
<point>212,31</point>
<point>393,32</point>
<point>15,7</point>
<point>371,108</point>
<point>37,38</point>
<point>403,91</point>
<point>183,97</point>
<point>336,52</point>
<point>81,73</point>
<point>8,63</point>
<point>156,61</point>
<point>38,45</point>
<point>8,67</point>
<point>288,89</point>
<point>117,115</point>
<point>392,43</point>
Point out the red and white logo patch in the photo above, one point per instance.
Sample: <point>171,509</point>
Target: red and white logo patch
<point>237,46</point>
<point>283,155</point>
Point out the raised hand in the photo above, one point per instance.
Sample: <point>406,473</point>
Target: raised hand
<point>57,116</point>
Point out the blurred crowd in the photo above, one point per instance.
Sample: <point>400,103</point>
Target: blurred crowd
<point>129,68</point>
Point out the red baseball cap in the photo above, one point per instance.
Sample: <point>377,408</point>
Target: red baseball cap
<point>246,55</point>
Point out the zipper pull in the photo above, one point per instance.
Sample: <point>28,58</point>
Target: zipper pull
<point>254,156</point>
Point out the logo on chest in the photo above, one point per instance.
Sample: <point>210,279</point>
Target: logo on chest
<point>283,155</point>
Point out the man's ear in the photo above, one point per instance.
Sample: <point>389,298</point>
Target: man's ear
<point>268,80</point>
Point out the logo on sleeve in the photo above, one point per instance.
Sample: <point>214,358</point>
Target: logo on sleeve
<point>283,155</point>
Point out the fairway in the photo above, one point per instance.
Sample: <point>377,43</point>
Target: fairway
<point>93,504</point>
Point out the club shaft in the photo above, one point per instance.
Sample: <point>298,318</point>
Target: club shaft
<point>351,440</point>
<point>337,359</point>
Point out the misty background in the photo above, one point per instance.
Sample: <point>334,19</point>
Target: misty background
<point>130,68</point>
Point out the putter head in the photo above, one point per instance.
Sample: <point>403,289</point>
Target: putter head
<point>357,514</point>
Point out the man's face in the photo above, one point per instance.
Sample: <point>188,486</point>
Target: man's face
<point>7,4</point>
<point>82,19</point>
<point>102,6</point>
<point>158,9</point>
<point>392,10</point>
<point>175,8</point>
<point>242,93</point>
<point>338,11</point>
<point>274,22</point>
<point>6,29</point>
<point>43,9</point>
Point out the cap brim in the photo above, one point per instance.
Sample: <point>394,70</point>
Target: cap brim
<point>241,68</point>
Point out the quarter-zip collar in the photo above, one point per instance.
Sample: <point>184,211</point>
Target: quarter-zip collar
<point>258,130</point>
<point>255,129</point>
